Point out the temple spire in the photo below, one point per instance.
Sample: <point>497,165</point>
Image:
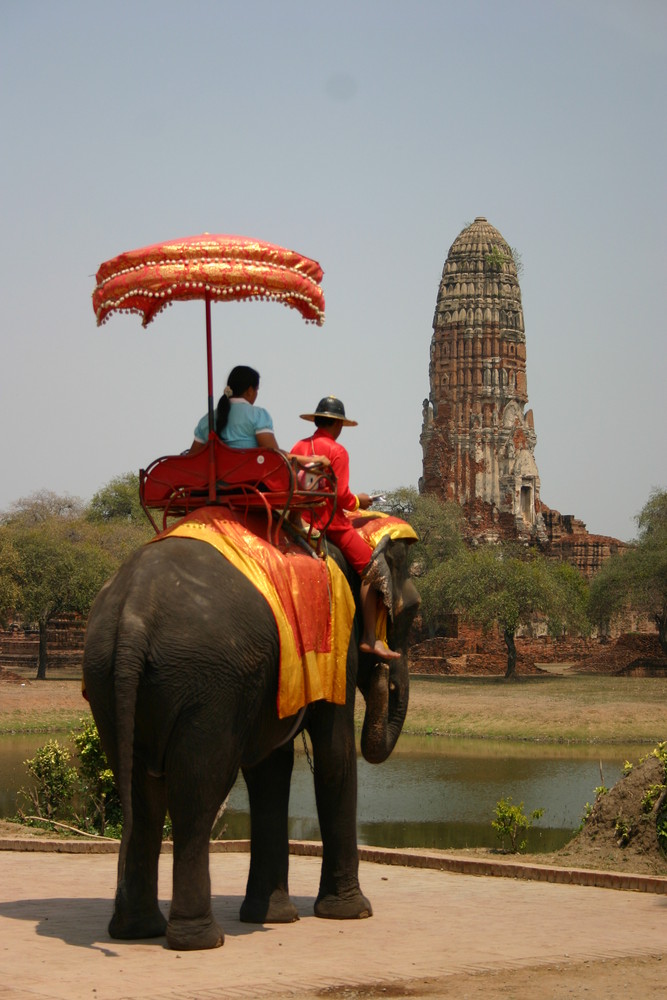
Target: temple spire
<point>477,439</point>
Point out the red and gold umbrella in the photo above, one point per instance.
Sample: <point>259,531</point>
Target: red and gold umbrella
<point>211,268</point>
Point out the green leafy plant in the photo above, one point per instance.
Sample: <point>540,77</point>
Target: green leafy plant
<point>100,808</point>
<point>588,809</point>
<point>623,830</point>
<point>54,781</point>
<point>495,258</point>
<point>651,796</point>
<point>87,797</point>
<point>511,824</point>
<point>661,829</point>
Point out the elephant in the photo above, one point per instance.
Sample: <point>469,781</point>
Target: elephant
<point>181,660</point>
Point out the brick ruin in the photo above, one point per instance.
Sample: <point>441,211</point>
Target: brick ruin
<point>478,439</point>
<point>19,645</point>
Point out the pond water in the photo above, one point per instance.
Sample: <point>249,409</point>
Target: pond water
<point>432,792</point>
<point>441,793</point>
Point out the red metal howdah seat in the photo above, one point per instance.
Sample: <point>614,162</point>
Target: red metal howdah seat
<point>239,478</point>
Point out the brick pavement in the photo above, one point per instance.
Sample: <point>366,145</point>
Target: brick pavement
<point>428,923</point>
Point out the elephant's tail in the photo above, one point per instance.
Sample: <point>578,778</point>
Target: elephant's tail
<point>131,649</point>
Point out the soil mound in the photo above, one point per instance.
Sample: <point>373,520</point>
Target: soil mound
<point>621,831</point>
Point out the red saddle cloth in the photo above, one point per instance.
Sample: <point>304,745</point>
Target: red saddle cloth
<point>309,597</point>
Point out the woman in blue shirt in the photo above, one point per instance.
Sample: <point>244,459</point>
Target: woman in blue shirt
<point>238,422</point>
<point>241,424</point>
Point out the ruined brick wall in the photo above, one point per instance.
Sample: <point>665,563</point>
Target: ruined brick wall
<point>19,646</point>
<point>569,541</point>
<point>542,649</point>
<point>488,653</point>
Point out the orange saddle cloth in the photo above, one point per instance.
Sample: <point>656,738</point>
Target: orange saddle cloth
<point>309,597</point>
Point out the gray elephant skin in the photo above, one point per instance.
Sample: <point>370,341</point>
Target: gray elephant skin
<point>181,668</point>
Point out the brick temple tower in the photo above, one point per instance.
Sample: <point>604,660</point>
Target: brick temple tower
<point>477,439</point>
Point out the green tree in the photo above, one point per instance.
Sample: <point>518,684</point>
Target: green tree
<point>47,569</point>
<point>499,586</point>
<point>437,523</point>
<point>55,553</point>
<point>635,582</point>
<point>118,501</point>
<point>10,569</point>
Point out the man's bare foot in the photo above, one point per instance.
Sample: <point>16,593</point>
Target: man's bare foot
<point>379,650</point>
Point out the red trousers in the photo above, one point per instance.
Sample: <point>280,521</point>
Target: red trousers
<point>357,551</point>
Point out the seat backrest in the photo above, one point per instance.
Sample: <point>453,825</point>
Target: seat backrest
<point>244,478</point>
<point>190,474</point>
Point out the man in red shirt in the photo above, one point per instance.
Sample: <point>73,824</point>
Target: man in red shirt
<point>329,418</point>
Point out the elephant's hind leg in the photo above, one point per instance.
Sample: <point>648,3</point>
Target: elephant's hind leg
<point>136,911</point>
<point>197,785</point>
<point>267,899</point>
<point>192,926</point>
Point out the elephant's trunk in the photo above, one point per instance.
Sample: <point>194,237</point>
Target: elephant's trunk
<point>386,687</point>
<point>386,706</point>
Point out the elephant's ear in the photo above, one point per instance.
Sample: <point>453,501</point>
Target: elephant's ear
<point>378,574</point>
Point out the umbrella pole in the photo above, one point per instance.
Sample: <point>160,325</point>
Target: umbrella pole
<point>211,429</point>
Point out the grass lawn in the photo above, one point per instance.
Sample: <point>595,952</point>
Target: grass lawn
<point>552,709</point>
<point>555,709</point>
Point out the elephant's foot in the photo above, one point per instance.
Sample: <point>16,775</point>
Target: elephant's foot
<point>132,922</point>
<point>277,909</point>
<point>354,906</point>
<point>194,935</point>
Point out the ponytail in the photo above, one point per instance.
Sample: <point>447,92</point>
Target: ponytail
<point>239,379</point>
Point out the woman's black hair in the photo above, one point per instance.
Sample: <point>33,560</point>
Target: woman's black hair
<point>239,379</point>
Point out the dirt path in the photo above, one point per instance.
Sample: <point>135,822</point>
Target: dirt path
<point>615,979</point>
<point>433,935</point>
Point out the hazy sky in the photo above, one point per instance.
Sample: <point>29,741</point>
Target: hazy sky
<point>365,135</point>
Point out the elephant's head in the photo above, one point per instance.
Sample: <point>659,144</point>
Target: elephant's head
<point>385,686</point>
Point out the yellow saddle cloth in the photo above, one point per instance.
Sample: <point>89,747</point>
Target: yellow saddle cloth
<point>373,525</point>
<point>309,597</point>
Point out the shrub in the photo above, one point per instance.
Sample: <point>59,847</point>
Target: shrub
<point>98,797</point>
<point>87,797</point>
<point>54,781</point>
<point>511,824</point>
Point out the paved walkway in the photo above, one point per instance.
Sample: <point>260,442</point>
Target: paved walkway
<point>428,923</point>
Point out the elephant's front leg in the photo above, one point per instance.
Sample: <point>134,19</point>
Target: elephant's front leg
<point>267,895</point>
<point>332,732</point>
